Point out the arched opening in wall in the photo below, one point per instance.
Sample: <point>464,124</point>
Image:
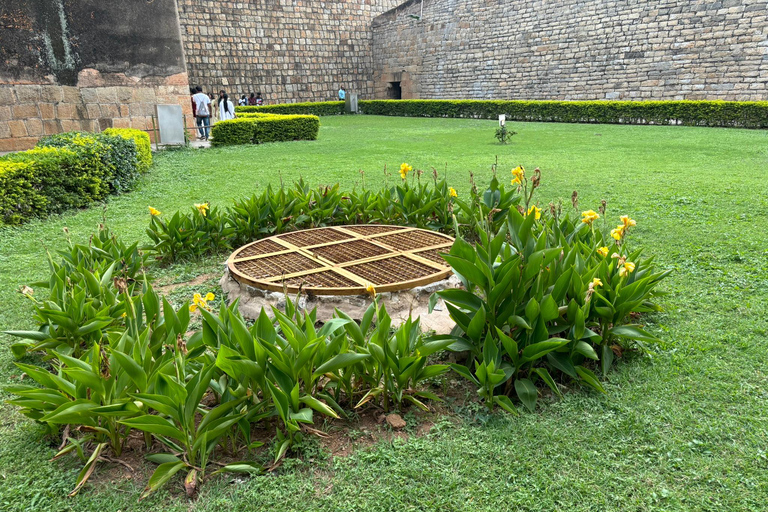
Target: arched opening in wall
<point>394,91</point>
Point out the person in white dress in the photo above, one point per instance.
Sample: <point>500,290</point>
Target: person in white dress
<point>226,108</point>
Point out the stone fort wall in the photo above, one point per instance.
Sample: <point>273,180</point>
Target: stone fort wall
<point>86,65</point>
<point>573,49</point>
<point>289,50</point>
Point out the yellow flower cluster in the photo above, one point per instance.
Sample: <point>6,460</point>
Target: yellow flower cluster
<point>626,268</point>
<point>154,212</point>
<point>589,216</point>
<point>621,230</point>
<point>535,209</point>
<point>202,208</point>
<point>627,222</point>
<point>371,291</point>
<point>201,302</point>
<point>603,251</point>
<point>519,174</point>
<point>404,170</point>
<point>596,282</point>
<point>452,192</point>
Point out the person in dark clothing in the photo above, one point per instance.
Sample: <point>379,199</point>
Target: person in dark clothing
<point>252,99</point>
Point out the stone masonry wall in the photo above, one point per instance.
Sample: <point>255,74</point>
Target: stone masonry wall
<point>29,111</point>
<point>289,50</point>
<point>86,65</point>
<point>574,49</point>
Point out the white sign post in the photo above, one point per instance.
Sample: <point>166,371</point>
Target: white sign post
<point>170,120</point>
<point>502,120</point>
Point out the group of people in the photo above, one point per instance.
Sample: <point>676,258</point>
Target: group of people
<point>206,107</point>
<point>254,100</point>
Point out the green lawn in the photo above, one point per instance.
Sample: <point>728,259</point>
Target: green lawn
<point>686,429</point>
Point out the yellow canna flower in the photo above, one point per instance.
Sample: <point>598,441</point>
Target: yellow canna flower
<point>371,291</point>
<point>197,297</point>
<point>596,282</point>
<point>452,192</point>
<point>209,296</point>
<point>193,308</point>
<point>202,208</point>
<point>627,221</point>
<point>626,268</point>
<point>589,216</point>
<point>618,232</point>
<point>603,251</point>
<point>154,212</point>
<point>518,172</point>
<point>536,209</point>
<point>404,170</point>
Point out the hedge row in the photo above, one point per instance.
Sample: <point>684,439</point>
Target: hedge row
<point>741,114</point>
<point>70,170</point>
<point>259,128</point>
<point>143,144</point>
<point>318,108</point>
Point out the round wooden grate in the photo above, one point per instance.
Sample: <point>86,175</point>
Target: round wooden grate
<point>343,260</point>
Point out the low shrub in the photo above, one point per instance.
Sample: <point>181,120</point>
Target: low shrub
<point>233,131</point>
<point>71,170</point>
<point>118,155</point>
<point>142,141</point>
<point>739,114</point>
<point>318,108</point>
<point>66,178</point>
<point>742,114</point>
<point>258,127</point>
<point>286,128</point>
<point>20,196</point>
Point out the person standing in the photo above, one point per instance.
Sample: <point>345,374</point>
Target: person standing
<point>252,100</point>
<point>214,107</point>
<point>342,94</point>
<point>202,112</point>
<point>226,108</point>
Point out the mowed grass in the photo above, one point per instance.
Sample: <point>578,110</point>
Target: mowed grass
<point>683,429</point>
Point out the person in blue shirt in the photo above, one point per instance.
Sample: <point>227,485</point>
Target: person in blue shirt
<point>342,93</point>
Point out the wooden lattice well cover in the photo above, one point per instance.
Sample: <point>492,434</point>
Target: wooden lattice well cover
<point>343,260</point>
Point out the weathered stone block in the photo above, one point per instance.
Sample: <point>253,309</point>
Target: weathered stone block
<point>47,110</point>
<point>66,111</point>
<point>34,127</point>
<point>18,128</point>
<point>25,111</point>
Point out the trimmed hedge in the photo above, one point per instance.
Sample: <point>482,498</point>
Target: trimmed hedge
<point>118,155</point>
<point>259,128</point>
<point>65,178</point>
<point>142,142</point>
<point>318,108</point>
<point>20,196</point>
<point>281,128</point>
<point>233,131</point>
<point>741,114</point>
<point>70,170</point>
